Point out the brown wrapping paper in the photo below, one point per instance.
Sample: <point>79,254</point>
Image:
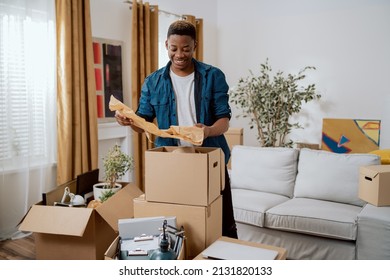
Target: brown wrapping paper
<point>191,134</point>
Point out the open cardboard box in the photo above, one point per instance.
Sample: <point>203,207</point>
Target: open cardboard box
<point>111,253</point>
<point>78,233</point>
<point>179,175</point>
<point>129,229</point>
<point>202,224</point>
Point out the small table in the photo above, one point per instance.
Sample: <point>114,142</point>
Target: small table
<point>282,253</point>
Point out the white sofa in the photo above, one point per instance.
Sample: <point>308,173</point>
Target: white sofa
<point>307,202</point>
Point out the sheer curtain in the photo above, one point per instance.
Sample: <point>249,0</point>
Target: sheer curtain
<point>27,108</point>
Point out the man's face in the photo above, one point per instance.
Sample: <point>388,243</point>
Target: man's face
<point>180,51</point>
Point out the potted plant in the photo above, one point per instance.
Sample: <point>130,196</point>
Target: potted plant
<point>270,102</point>
<point>116,164</point>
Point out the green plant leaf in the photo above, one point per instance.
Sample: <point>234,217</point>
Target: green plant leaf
<point>116,164</point>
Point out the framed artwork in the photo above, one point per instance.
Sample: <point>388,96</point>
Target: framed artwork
<point>107,56</point>
<point>350,135</point>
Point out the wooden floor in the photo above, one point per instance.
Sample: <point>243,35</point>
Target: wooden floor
<point>18,249</point>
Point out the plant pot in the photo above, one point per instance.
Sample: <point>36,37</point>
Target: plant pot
<point>99,190</point>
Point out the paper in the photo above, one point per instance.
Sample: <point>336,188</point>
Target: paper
<point>191,134</point>
<point>223,250</point>
<point>130,228</point>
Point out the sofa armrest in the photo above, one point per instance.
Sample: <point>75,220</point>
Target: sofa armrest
<point>373,238</point>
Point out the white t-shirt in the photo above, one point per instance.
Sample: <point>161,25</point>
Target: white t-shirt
<point>184,92</point>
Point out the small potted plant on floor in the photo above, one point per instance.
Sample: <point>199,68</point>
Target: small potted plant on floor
<point>116,164</point>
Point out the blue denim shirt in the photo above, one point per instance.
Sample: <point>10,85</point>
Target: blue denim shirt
<point>211,102</point>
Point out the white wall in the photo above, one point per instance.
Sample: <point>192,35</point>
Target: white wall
<point>111,20</point>
<point>346,40</point>
<point>206,9</point>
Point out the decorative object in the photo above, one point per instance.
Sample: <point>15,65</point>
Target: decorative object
<point>385,123</point>
<point>164,252</point>
<point>269,103</point>
<point>101,192</point>
<point>350,135</point>
<point>384,154</point>
<point>70,199</point>
<point>107,56</point>
<point>116,164</point>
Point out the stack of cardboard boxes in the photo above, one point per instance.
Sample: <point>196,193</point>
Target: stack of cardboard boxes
<point>186,183</point>
<point>178,183</point>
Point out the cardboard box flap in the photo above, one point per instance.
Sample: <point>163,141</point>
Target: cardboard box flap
<point>119,206</point>
<point>57,220</point>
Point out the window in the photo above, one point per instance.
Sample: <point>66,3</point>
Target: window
<point>27,83</point>
<point>164,21</point>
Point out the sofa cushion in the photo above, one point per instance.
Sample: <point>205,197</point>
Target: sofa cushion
<point>331,176</point>
<point>315,217</point>
<point>250,206</point>
<point>373,238</point>
<point>271,170</point>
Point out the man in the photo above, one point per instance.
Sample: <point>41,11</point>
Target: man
<point>187,92</point>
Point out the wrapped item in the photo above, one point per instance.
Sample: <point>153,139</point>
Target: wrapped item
<point>191,134</point>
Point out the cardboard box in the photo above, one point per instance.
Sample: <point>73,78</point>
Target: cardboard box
<point>111,253</point>
<point>137,227</point>
<point>78,233</point>
<point>234,136</point>
<point>307,145</point>
<point>374,184</point>
<point>202,224</point>
<point>173,176</point>
<point>282,253</point>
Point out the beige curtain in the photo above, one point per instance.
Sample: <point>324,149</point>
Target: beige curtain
<point>76,94</point>
<point>144,59</point>
<point>198,22</point>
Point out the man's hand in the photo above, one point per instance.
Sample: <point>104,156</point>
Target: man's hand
<point>123,120</point>
<point>218,128</point>
<point>206,129</point>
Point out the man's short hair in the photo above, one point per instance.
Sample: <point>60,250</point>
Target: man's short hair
<point>182,27</point>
